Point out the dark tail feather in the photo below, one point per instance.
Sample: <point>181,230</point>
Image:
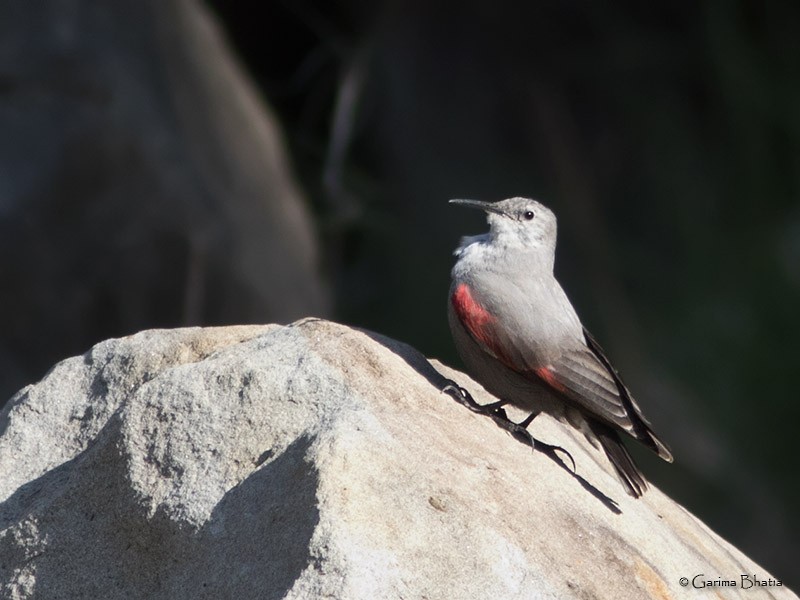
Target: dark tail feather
<point>627,471</point>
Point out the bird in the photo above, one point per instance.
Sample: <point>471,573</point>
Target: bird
<point>521,339</point>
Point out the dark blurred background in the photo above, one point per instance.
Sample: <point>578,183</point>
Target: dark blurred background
<point>171,163</point>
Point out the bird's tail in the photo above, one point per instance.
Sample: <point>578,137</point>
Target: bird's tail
<point>627,471</point>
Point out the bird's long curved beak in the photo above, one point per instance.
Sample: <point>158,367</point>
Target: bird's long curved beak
<point>485,206</point>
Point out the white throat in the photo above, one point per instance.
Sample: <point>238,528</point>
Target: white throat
<point>469,240</point>
<point>482,252</point>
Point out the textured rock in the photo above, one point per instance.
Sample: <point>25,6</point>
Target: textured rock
<point>313,461</point>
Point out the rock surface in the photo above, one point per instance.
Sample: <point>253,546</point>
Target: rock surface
<point>314,461</point>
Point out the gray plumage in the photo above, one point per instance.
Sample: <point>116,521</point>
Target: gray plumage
<point>520,337</point>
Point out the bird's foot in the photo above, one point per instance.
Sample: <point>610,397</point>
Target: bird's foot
<point>498,414</point>
<point>553,452</point>
<point>520,433</point>
<point>462,396</point>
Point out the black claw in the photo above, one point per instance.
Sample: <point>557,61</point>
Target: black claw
<point>551,452</point>
<point>462,396</point>
<point>520,433</point>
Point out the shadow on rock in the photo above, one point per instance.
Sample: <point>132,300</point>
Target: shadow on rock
<point>256,543</point>
<point>84,532</point>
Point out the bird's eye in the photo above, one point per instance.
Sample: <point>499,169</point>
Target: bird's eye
<point>529,215</point>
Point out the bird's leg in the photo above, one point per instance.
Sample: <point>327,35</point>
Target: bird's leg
<point>462,396</point>
<point>518,430</point>
<point>495,410</point>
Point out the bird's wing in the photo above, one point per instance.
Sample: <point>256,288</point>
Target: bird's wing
<point>642,429</point>
<point>583,375</point>
<point>578,371</point>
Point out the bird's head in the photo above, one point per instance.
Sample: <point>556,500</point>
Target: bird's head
<point>518,223</point>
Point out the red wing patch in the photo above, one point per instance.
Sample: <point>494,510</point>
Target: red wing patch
<point>481,325</point>
<point>474,317</point>
<point>547,375</point>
